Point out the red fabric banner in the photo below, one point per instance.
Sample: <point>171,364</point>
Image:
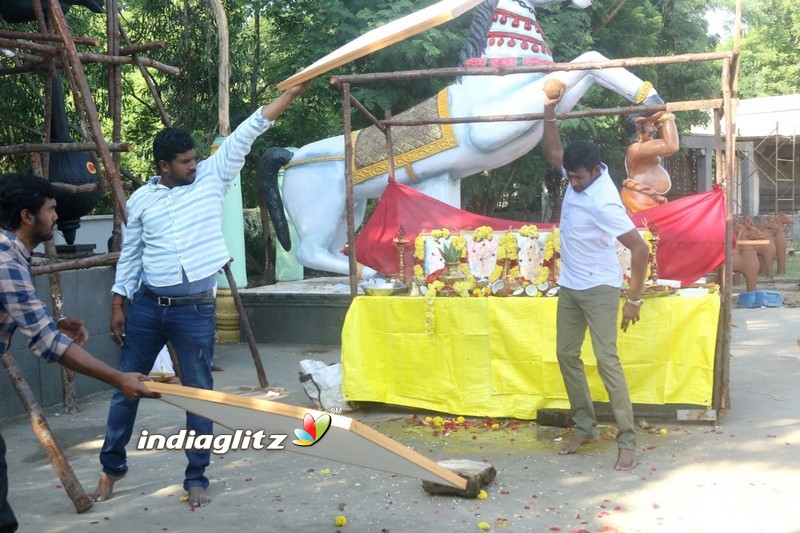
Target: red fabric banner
<point>691,230</point>
<point>416,212</point>
<point>691,234</point>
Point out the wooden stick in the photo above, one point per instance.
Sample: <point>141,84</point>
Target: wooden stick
<point>678,106</point>
<point>62,147</point>
<point>77,264</point>
<point>364,111</point>
<point>552,67</point>
<point>41,428</point>
<point>148,79</point>
<point>57,301</point>
<point>136,49</point>
<point>60,24</point>
<point>47,37</point>
<point>348,187</point>
<point>251,340</point>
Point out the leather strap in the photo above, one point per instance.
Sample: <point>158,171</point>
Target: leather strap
<point>171,301</point>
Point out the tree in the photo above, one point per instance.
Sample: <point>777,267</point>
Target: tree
<point>769,63</point>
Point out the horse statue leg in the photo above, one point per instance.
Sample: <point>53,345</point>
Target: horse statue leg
<point>314,194</point>
<point>506,141</point>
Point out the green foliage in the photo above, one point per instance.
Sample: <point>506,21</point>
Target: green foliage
<point>769,63</point>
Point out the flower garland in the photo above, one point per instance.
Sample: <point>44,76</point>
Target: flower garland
<point>507,258</point>
<point>551,265</point>
<point>530,231</point>
<point>458,242</point>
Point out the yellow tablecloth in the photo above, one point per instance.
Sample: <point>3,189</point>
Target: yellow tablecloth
<point>497,356</point>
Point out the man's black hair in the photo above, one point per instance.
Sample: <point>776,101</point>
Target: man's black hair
<point>170,142</point>
<point>22,191</point>
<point>579,154</point>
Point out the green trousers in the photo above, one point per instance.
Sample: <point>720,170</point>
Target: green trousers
<point>596,308</point>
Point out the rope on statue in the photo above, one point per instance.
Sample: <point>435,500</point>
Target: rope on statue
<point>645,189</point>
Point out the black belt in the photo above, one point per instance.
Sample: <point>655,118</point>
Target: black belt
<point>170,301</point>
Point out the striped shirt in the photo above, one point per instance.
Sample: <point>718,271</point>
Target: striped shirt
<point>179,230</point>
<point>21,308</point>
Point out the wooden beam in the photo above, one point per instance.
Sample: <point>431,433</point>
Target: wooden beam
<point>61,147</point>
<point>552,67</point>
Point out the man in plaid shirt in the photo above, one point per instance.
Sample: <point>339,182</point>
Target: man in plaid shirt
<point>27,218</point>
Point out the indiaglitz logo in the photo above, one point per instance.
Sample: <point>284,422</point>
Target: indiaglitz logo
<point>241,439</point>
<point>313,430</point>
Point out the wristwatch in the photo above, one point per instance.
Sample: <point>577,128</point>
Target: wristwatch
<point>637,303</point>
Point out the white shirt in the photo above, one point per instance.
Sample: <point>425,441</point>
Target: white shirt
<point>177,230</point>
<point>591,221</point>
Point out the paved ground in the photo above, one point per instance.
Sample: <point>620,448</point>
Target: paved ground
<point>741,475</point>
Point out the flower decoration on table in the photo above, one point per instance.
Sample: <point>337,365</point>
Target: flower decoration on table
<point>650,236</point>
<point>507,258</point>
<point>530,231</point>
<point>545,281</point>
<point>482,252</point>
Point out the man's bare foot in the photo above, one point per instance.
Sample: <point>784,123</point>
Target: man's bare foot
<point>198,497</point>
<point>626,459</point>
<point>576,442</point>
<point>105,487</point>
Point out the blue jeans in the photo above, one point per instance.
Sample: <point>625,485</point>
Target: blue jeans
<point>148,326</point>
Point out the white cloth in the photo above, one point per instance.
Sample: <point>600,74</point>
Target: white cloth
<point>177,230</point>
<point>163,366</point>
<point>591,221</point>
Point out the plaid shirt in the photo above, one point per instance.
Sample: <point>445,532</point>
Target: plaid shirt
<point>20,307</point>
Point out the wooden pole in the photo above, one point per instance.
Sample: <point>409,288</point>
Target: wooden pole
<point>148,79</point>
<point>26,148</point>
<point>348,187</point>
<point>41,428</point>
<point>47,37</point>
<point>584,113</point>
<point>251,340</point>
<point>224,67</point>
<point>60,24</point>
<point>551,67</point>
<point>77,264</point>
<point>364,111</point>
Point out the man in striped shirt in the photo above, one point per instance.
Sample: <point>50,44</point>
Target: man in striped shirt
<point>172,251</point>
<point>27,218</point>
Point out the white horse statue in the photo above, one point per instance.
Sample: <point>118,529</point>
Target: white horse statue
<point>503,32</point>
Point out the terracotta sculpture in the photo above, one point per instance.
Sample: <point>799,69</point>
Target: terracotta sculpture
<point>766,251</point>
<point>649,139</point>
<point>776,229</point>
<point>744,259</point>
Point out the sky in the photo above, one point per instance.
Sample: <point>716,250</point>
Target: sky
<point>720,22</point>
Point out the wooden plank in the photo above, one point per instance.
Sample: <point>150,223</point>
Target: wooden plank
<point>346,441</point>
<point>388,34</point>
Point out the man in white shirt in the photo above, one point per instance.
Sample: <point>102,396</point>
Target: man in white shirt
<point>592,219</point>
<point>174,236</point>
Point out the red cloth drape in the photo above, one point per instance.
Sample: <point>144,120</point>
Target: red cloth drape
<point>691,230</point>
<point>691,234</point>
<point>416,212</point>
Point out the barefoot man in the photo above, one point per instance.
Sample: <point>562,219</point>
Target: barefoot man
<point>174,237</point>
<point>592,219</point>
